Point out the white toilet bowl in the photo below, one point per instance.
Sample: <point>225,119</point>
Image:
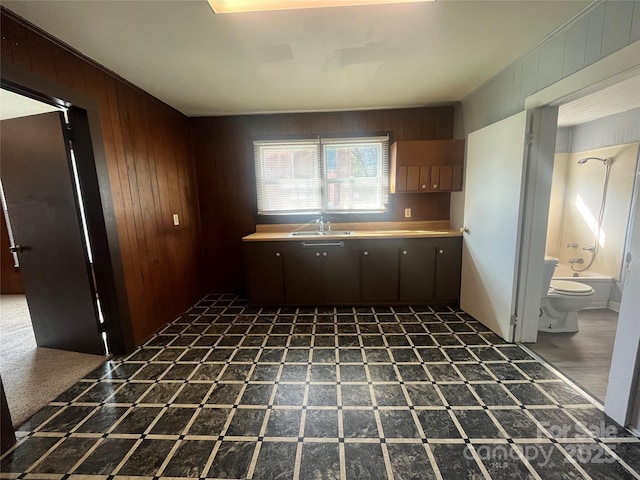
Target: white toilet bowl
<point>561,300</point>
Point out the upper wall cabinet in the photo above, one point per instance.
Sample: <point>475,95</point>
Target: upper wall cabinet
<point>426,166</point>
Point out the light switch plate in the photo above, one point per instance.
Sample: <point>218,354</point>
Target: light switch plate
<point>407,213</point>
<point>176,219</point>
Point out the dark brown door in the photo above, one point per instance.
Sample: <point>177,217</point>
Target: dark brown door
<point>265,272</point>
<point>448,265</point>
<point>417,271</point>
<point>303,275</point>
<point>380,265</point>
<point>340,274</point>
<point>42,206</point>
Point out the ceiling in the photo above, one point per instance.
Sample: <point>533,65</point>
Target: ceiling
<point>13,105</point>
<point>342,58</point>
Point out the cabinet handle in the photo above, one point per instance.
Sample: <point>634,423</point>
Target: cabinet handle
<point>324,254</point>
<point>424,187</point>
<point>365,253</point>
<point>440,251</point>
<point>404,252</point>
<point>435,185</point>
<point>277,254</point>
<point>317,254</point>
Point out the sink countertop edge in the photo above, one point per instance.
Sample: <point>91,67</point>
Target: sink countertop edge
<point>355,235</point>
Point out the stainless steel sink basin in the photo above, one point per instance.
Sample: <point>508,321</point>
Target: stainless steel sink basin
<point>316,233</point>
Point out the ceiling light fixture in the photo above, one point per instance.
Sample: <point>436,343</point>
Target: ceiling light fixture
<point>236,6</point>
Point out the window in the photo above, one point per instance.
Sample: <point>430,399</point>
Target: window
<point>324,175</point>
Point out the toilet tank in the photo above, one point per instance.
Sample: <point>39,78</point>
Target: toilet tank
<point>547,274</point>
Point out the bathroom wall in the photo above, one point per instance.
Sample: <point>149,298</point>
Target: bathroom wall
<point>575,203</point>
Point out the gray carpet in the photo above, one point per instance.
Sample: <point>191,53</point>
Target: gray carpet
<point>34,376</point>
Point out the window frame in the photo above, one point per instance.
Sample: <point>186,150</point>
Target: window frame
<point>322,142</point>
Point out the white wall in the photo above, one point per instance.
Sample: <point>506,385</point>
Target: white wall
<point>575,204</point>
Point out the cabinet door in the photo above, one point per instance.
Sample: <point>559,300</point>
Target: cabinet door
<point>380,267</point>
<point>448,266</point>
<point>425,179</point>
<point>303,275</point>
<point>340,274</point>
<point>413,179</point>
<point>417,271</point>
<point>265,275</point>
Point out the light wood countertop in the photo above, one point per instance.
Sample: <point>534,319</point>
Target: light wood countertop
<point>359,231</point>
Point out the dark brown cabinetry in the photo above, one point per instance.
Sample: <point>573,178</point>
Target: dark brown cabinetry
<point>426,166</point>
<point>350,272</point>
<point>265,272</point>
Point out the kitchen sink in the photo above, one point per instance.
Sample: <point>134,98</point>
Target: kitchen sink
<point>316,233</point>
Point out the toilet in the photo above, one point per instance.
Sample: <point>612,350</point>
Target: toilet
<point>561,299</point>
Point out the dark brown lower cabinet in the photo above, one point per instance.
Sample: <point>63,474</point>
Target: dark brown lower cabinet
<point>351,272</point>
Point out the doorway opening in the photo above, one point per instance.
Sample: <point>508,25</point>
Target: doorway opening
<point>35,333</point>
<point>593,192</point>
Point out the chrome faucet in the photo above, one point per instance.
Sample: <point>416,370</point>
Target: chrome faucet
<point>320,223</point>
<point>576,260</point>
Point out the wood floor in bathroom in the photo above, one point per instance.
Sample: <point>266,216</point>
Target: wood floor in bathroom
<point>585,356</point>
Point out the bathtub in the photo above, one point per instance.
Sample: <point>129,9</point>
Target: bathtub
<point>600,283</point>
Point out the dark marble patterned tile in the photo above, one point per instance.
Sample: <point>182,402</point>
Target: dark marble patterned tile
<point>628,452</point>
<point>299,355</point>
<point>190,459</point>
<point>300,341</point>
<point>147,458</point>
<point>73,392</point>
<point>424,395</point>
<point>353,373</point>
<point>597,461</point>
<point>67,419</point>
<point>369,328</point>
<point>472,339</point>
<point>173,421</point>
<point>245,355</point>
<point>277,341</point>
<point>414,327</point>
<point>220,354</point>
<point>106,457</point>
<point>161,393</point>
<point>458,395</point>
<point>410,462</point>
<point>446,340</point>
<point>100,392</point>
<point>359,424</point>
<point>289,395</point>
<point>257,394</point>
<point>356,395</point>
<point>389,328</point>
<point>438,424</point>
<point>474,372</point>
<point>558,423</point>
<point>293,373</point>
<point>398,424</point>
<point>443,372</point>
<point>40,417</point>
<point>65,455</point>
<point>487,354</point>
<point>283,423</point>
<point>459,354</point>
<point>235,372</point>
<point>389,395</point>
<point>232,460</point>
<point>103,370</point>
<point>254,341</point>
<point>137,420</point>
<point>124,371</point>
<point>549,462</point>
<point>26,453</point>
<point>456,461</point>
<point>404,355</point>
<point>276,461</point>
<point>514,352</point>
<point>599,423</point>
<point>364,460</point>
<point>325,395</point>
<point>179,371</point>
<point>493,394</point>
<point>265,373</point>
<point>372,341</point>
<point>517,424</point>
<point>433,354</point>
<point>377,355</point>
<point>477,424</point>
<point>170,354</point>
<point>210,421</point>
<point>326,329</point>
<point>130,392</point>
<point>413,373</point>
<point>504,371</point>
<point>322,373</point>
<point>502,462</point>
<point>320,461</point>
<point>246,422</point>
<point>528,394</point>
<point>348,340</point>
<point>350,355</point>
<point>564,394</point>
<point>193,393</point>
<point>422,340</point>
<point>536,370</point>
<point>151,371</point>
<point>321,423</point>
<point>383,373</point>
<point>102,420</point>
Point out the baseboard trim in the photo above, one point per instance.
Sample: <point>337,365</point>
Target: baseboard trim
<point>615,306</point>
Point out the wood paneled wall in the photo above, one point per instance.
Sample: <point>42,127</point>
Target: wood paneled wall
<point>224,162</point>
<point>151,174</point>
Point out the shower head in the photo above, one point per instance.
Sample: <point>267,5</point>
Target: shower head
<point>606,161</point>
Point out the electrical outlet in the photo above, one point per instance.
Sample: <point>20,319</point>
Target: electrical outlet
<point>407,213</point>
<point>176,219</point>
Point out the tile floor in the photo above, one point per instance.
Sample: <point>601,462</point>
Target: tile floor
<point>227,391</point>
